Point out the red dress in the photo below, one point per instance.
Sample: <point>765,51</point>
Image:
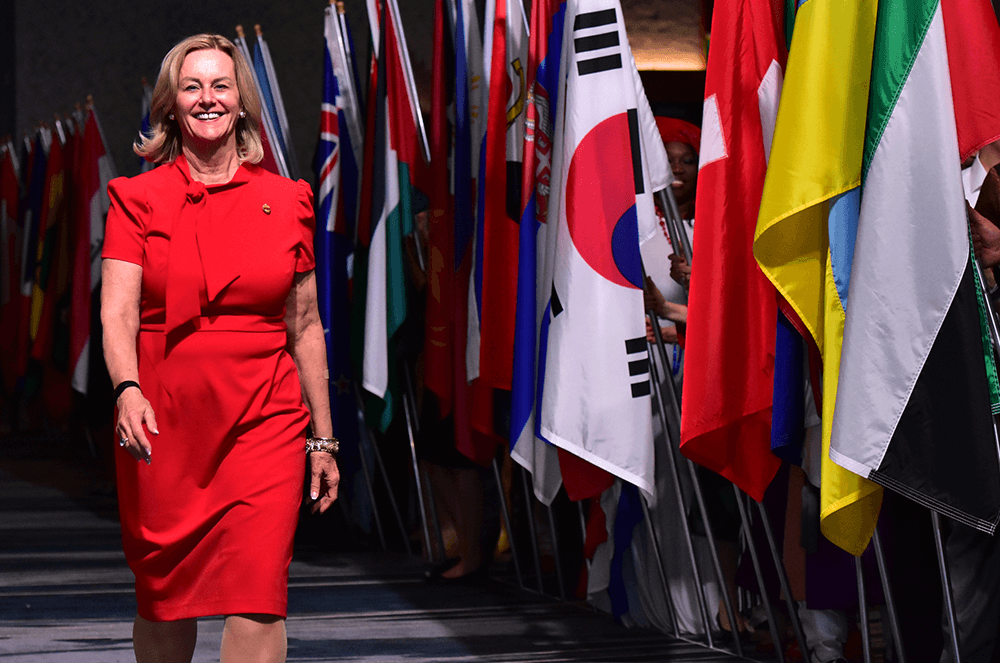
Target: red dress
<point>207,527</point>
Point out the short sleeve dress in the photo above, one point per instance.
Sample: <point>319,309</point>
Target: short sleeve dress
<point>207,526</point>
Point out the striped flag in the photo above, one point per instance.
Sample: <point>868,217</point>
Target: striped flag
<point>528,447</point>
<point>337,174</point>
<point>803,241</point>
<point>274,104</point>
<point>913,402</point>
<point>497,229</point>
<point>595,400</point>
<point>380,304</point>
<point>31,223</point>
<point>89,209</point>
<point>274,158</point>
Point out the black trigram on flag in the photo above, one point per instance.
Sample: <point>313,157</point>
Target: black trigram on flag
<point>597,50</point>
<point>638,365</point>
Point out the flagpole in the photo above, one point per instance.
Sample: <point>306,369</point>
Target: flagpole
<point>279,102</point>
<point>866,634</point>
<point>410,85</point>
<point>890,605</point>
<point>674,404</point>
<point>279,158</point>
<point>367,434</point>
<point>678,236</point>
<point>949,602</point>
<point>772,625</point>
<point>654,376</point>
<point>352,114</point>
<point>369,480</point>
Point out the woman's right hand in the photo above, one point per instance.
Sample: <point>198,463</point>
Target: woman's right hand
<point>134,411</point>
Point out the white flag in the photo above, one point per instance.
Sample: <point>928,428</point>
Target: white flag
<point>595,400</point>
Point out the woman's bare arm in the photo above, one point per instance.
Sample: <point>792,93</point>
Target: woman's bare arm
<point>122,284</point>
<point>308,349</point>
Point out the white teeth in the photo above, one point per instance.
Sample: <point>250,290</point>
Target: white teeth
<point>207,116</point>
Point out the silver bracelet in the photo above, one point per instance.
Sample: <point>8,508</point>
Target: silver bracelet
<point>330,445</point>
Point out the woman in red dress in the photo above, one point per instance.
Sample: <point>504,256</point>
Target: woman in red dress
<point>213,340</point>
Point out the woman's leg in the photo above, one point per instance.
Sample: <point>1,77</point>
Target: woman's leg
<point>164,642</point>
<point>254,639</point>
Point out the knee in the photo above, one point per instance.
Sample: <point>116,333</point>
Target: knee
<point>252,626</point>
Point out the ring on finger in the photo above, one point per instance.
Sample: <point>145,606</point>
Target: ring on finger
<point>122,442</point>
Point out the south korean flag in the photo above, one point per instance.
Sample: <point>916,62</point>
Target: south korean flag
<point>595,400</point>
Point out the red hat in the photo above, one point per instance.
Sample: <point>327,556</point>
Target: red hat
<point>673,130</point>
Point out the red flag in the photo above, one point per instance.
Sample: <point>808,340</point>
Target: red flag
<point>502,200</point>
<point>89,208</point>
<point>973,38</point>
<point>11,279</point>
<point>728,377</point>
<point>438,317</point>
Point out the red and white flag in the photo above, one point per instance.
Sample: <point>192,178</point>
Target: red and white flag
<point>595,398</point>
<point>87,214</point>
<point>728,373</point>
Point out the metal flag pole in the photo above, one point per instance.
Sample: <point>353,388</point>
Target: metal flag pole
<point>528,507</point>
<point>369,481</point>
<point>279,103</point>
<point>411,432</point>
<point>890,606</point>
<point>505,514</point>
<point>432,505</point>
<point>385,475</point>
<point>279,158</point>
<point>678,237</point>
<point>673,402</point>
<point>654,376</point>
<point>768,609</point>
<point>555,550</point>
<point>866,634</point>
<point>779,565</point>
<point>949,603</point>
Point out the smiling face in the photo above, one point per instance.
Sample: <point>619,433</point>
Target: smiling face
<point>684,164</point>
<point>208,101</point>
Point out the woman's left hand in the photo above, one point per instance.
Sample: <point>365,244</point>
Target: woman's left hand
<point>325,477</point>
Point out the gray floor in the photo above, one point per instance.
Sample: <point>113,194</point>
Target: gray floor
<point>66,595</point>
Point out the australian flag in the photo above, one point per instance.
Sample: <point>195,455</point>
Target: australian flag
<point>337,171</point>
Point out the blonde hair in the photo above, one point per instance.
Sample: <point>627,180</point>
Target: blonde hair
<point>163,142</point>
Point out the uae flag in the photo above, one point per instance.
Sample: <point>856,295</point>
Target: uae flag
<point>595,401</point>
<point>913,406</point>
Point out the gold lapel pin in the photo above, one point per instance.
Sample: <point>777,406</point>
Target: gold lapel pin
<point>266,208</point>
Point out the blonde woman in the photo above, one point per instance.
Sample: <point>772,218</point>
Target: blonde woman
<point>213,340</point>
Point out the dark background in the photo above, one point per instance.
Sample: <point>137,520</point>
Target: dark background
<point>54,53</point>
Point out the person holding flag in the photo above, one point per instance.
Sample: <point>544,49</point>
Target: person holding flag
<point>215,346</point>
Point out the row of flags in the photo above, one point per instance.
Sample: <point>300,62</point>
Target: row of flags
<point>53,201</point>
<point>543,160</point>
<point>838,175</point>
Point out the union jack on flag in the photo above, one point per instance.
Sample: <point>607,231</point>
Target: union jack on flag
<point>328,152</point>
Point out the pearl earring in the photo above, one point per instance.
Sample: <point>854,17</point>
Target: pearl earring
<point>170,116</point>
<point>243,113</point>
